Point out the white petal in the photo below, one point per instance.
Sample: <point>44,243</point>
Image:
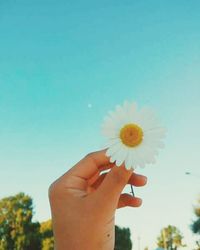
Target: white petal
<point>128,160</point>
<point>113,149</point>
<point>107,127</point>
<point>158,132</point>
<point>119,161</point>
<point>112,141</point>
<point>147,114</point>
<point>130,167</point>
<point>121,157</point>
<point>112,159</point>
<point>113,116</point>
<point>154,143</point>
<point>118,158</point>
<point>119,113</point>
<point>133,159</point>
<point>117,155</point>
<point>126,104</point>
<point>137,158</point>
<point>147,118</point>
<point>131,109</point>
<point>147,152</point>
<point>107,120</point>
<point>148,125</point>
<point>110,133</point>
<point>127,112</point>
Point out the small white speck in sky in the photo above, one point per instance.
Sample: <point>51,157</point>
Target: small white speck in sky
<point>89,105</point>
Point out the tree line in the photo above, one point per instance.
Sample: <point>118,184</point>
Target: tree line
<point>18,231</point>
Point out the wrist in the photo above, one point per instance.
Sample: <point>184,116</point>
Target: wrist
<point>83,240</point>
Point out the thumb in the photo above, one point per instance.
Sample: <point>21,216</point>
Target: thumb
<point>113,184</point>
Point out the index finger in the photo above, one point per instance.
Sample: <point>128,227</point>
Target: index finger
<point>89,165</point>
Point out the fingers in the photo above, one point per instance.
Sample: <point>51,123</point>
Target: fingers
<point>135,180</point>
<point>113,184</point>
<point>128,200</point>
<point>99,180</point>
<point>95,177</point>
<point>89,165</point>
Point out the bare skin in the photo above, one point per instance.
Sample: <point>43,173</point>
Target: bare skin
<point>83,203</point>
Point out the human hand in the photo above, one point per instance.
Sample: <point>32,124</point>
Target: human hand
<point>83,203</point>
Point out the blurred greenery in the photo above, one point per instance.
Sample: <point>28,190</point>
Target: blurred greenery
<point>46,234</point>
<point>170,238</point>
<point>18,231</point>
<point>196,223</point>
<point>122,239</point>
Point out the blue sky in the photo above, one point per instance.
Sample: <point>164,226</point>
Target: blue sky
<point>64,64</point>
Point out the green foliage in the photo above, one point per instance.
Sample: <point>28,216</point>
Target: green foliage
<point>197,245</point>
<point>122,239</point>
<point>170,238</point>
<point>46,233</point>
<point>196,224</point>
<point>17,231</point>
<point>48,244</point>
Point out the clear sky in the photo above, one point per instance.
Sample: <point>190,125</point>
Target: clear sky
<point>64,64</point>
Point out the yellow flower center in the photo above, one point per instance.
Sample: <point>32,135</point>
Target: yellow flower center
<point>131,135</point>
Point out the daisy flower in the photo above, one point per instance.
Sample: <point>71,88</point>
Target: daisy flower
<point>133,136</point>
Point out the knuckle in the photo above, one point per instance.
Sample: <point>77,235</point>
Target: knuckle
<point>53,190</point>
<point>89,157</point>
<point>118,177</point>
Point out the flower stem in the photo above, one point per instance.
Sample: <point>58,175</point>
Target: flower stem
<point>132,190</point>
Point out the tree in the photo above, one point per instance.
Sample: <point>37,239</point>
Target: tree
<point>46,233</point>
<point>122,239</point>
<point>17,231</point>
<point>170,238</point>
<point>196,224</point>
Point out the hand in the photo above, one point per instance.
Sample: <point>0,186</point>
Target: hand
<point>83,203</point>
